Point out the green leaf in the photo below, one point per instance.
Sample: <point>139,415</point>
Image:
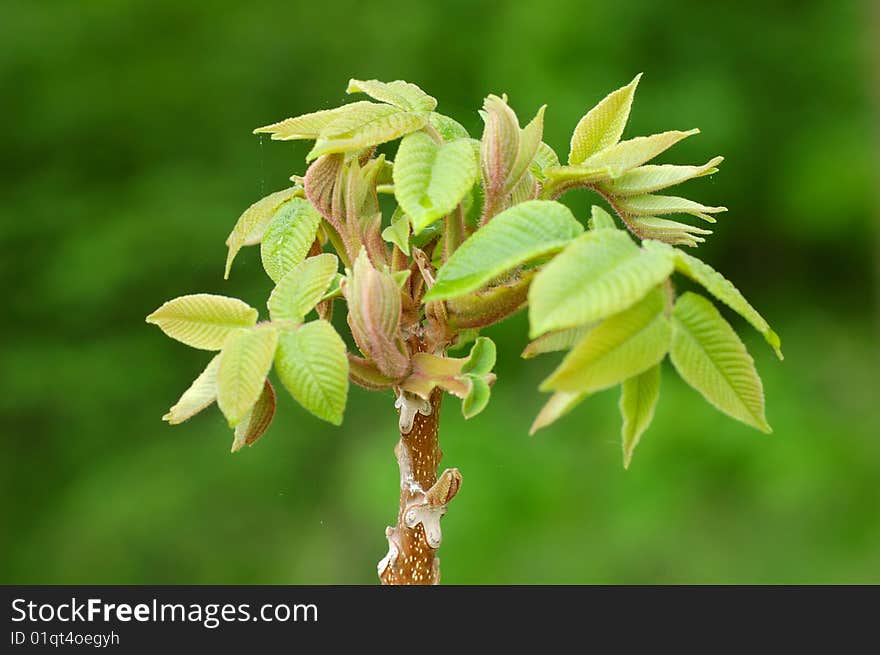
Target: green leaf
<point>601,219</point>
<point>650,178</point>
<point>626,155</point>
<point>257,421</point>
<point>312,365</point>
<point>203,320</point>
<point>309,126</point>
<point>302,288</point>
<point>289,237</point>
<point>638,400</point>
<point>448,128</point>
<point>482,357</point>
<point>252,224</point>
<point>529,142</point>
<point>671,232</point>
<point>658,205</point>
<point>603,125</point>
<point>710,357</point>
<point>200,394</point>
<point>370,125</point>
<point>244,363</point>
<point>431,179</point>
<point>556,341</point>
<point>398,232</point>
<point>398,93</point>
<point>477,398</point>
<point>490,304</point>
<point>601,273</point>
<point>545,158</point>
<point>620,347</point>
<point>723,290</point>
<point>516,236</point>
<point>557,406</point>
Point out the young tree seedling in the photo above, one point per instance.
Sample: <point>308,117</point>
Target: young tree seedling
<point>477,234</point>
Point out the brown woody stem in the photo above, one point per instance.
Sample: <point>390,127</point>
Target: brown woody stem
<point>413,542</point>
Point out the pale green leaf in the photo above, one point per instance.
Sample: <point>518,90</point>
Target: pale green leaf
<point>529,142</point>
<point>557,406</point>
<point>257,421</point>
<point>477,397</point>
<point>603,125</point>
<point>289,237</point>
<point>600,219</point>
<point>620,347</point>
<point>398,93</point>
<point>723,289</point>
<point>482,357</point>
<point>252,224</point>
<point>203,320</point>
<point>431,179</point>
<point>650,178</point>
<point>667,231</point>
<point>244,363</point>
<point>555,341</point>
<point>312,365</point>
<point>649,205</point>
<point>638,400</point>
<point>369,126</point>
<point>710,357</point>
<point>297,293</point>
<point>448,128</point>
<point>516,236</point>
<point>200,394</point>
<point>545,158</point>
<point>398,231</point>
<point>626,155</point>
<point>309,126</point>
<point>599,274</point>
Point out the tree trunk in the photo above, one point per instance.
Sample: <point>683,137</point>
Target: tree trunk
<point>413,542</point>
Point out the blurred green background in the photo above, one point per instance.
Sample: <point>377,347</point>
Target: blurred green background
<point>127,155</point>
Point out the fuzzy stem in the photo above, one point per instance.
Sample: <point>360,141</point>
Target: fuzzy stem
<point>413,542</point>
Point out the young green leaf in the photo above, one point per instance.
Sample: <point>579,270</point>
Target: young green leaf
<point>710,357</point>
<point>398,232</point>
<point>482,358</point>
<point>200,394</point>
<point>723,289</point>
<point>398,93</point>
<point>638,400</point>
<point>529,142</point>
<point>626,155</point>
<point>516,236</point>
<point>448,128</point>
<point>556,341</point>
<point>545,158</point>
<point>431,179</point>
<point>203,320</point>
<point>289,237</point>
<point>557,406</point>
<point>599,274</point>
<point>244,363</point>
<point>620,347</point>
<point>489,305</point>
<point>671,232</point>
<point>297,293</point>
<point>600,219</point>
<point>603,125</point>
<point>370,125</point>
<point>252,224</point>
<point>309,126</point>
<point>658,205</point>
<point>500,144</point>
<point>650,178</point>
<point>257,421</point>
<point>477,397</point>
<point>312,365</point>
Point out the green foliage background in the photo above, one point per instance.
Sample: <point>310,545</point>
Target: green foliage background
<point>127,155</point>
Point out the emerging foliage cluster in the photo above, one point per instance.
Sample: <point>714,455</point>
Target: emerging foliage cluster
<point>477,235</point>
